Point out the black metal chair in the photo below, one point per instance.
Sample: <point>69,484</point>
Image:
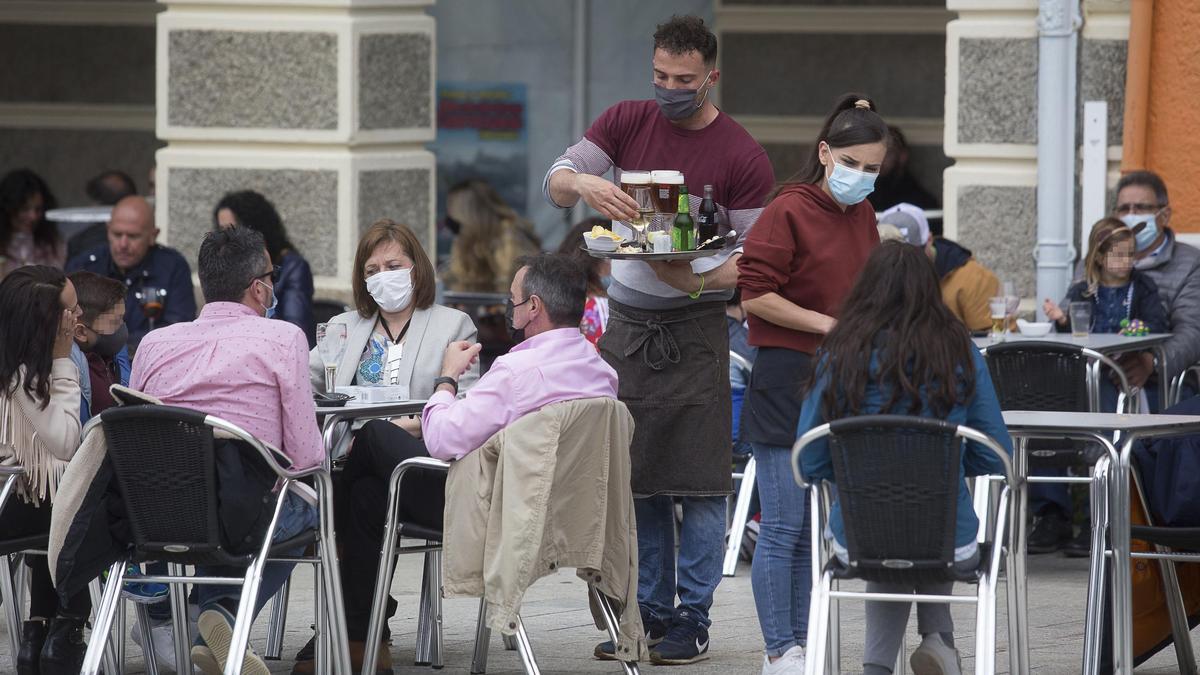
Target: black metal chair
<point>897,483</point>
<point>1171,545</point>
<point>165,465</point>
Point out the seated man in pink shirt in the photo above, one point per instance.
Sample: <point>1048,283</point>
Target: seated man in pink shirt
<point>235,363</point>
<point>552,362</point>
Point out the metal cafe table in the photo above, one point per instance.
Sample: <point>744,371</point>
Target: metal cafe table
<point>1116,434</point>
<point>335,416</point>
<point>1108,344</point>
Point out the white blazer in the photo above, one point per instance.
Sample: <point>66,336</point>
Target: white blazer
<point>429,333</point>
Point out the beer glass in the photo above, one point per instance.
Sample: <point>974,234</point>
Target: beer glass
<point>645,202</point>
<point>331,344</point>
<point>666,190</point>
<point>998,306</point>
<point>151,301</point>
<point>1081,319</point>
<point>632,179</point>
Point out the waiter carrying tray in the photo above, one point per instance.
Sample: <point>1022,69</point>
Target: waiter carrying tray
<point>666,335</point>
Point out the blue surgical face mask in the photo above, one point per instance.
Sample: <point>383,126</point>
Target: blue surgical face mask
<point>1146,236</point>
<point>274,300</point>
<point>606,281</point>
<point>849,186</point>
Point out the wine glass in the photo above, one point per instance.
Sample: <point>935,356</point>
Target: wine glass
<point>645,207</point>
<point>151,301</point>
<point>331,344</point>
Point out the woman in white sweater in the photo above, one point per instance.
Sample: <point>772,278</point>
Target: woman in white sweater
<point>39,432</point>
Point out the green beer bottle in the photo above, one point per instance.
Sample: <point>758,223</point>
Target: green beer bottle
<point>683,231</point>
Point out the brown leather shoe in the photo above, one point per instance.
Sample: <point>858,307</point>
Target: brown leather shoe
<point>383,665</point>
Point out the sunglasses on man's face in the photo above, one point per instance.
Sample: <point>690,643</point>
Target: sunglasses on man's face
<point>274,274</point>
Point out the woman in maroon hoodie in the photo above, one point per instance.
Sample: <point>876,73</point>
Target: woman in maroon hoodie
<point>801,258</point>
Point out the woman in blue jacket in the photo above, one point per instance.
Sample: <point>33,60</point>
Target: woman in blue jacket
<point>919,360</point>
<point>294,278</point>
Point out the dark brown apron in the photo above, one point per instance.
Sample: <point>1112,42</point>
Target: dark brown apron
<point>673,375</point>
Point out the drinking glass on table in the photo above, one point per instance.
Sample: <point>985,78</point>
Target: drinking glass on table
<point>1081,318</point>
<point>998,306</point>
<point>331,344</point>
<point>151,301</point>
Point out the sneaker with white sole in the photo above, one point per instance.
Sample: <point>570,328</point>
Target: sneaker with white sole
<point>162,640</point>
<point>791,663</point>
<point>935,657</point>
<point>216,629</point>
<point>686,642</point>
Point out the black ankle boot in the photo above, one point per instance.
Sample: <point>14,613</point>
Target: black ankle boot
<point>64,650</point>
<point>33,636</point>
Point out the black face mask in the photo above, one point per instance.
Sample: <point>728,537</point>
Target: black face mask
<point>453,225</point>
<point>517,334</point>
<point>107,346</point>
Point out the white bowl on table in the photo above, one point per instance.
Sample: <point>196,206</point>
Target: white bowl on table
<point>1034,328</point>
<point>601,243</point>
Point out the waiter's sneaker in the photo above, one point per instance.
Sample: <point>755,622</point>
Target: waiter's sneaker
<point>656,630</point>
<point>686,642</point>
<point>935,657</point>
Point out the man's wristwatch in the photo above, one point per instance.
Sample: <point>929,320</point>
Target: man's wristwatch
<point>446,380</point>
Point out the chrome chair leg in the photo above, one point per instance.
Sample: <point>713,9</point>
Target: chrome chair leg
<point>1184,655</point>
<point>148,655</point>
<point>525,650</point>
<point>321,654</point>
<point>12,611</point>
<point>435,607</point>
<point>119,638</point>
<point>277,623</point>
<point>424,615</point>
<point>20,579</point>
<point>818,627</point>
<point>104,606</point>
<point>483,636</point>
<point>741,512</point>
<point>180,624</point>
<point>1097,567</point>
<point>611,625</point>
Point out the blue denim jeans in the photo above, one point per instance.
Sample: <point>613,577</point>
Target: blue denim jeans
<point>701,550</point>
<point>781,575</point>
<point>296,516</point>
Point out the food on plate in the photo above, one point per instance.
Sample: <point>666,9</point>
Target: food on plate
<point>599,232</point>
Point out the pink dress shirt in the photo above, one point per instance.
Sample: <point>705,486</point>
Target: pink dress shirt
<point>241,367</point>
<point>558,365</point>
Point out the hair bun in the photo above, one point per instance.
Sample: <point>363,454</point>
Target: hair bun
<point>862,103</point>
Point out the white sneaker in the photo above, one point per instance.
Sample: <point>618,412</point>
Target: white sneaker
<point>791,663</point>
<point>935,657</point>
<point>162,637</point>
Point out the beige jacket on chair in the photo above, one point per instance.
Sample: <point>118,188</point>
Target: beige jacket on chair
<point>551,490</point>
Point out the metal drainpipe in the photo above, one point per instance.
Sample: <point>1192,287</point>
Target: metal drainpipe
<point>579,63</point>
<point>1058,29</point>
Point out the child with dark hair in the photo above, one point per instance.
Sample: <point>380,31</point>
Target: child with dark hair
<point>898,350</point>
<point>100,336</point>
<point>595,310</point>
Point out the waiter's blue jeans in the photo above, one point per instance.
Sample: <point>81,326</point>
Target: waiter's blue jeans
<point>701,551</point>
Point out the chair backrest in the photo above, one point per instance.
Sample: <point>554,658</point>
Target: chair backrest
<point>740,364</point>
<point>897,483</point>
<point>164,464</point>
<point>1031,375</point>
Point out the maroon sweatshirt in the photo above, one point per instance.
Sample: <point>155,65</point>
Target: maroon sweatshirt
<point>806,249</point>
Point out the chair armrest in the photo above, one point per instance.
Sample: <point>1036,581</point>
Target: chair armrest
<point>426,463</point>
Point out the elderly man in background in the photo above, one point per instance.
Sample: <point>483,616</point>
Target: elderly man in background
<point>157,278</point>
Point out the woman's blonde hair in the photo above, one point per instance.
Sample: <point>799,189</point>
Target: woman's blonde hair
<point>484,256</point>
<point>1106,233</point>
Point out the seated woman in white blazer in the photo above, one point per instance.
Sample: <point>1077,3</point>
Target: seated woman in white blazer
<point>393,298</point>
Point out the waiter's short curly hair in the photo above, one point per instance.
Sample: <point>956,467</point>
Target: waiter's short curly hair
<point>682,34</point>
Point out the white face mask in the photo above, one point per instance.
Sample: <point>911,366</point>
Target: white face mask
<point>392,289</point>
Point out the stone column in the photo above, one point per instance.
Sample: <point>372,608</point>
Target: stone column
<point>324,106</point>
<point>990,193</point>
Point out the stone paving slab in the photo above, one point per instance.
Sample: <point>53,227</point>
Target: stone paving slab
<point>562,635</point>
